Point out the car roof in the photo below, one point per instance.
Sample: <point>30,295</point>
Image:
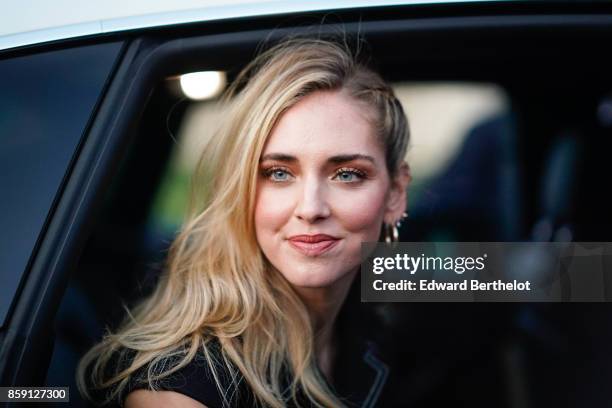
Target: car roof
<point>27,22</point>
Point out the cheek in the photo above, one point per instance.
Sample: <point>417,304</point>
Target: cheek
<point>272,210</point>
<point>362,214</point>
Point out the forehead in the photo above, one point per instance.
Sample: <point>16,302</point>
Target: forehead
<point>328,122</point>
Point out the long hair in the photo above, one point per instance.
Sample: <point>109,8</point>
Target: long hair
<point>218,284</point>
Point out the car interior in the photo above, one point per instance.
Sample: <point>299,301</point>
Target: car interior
<point>534,170</point>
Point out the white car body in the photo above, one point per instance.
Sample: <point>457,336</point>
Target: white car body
<point>27,22</point>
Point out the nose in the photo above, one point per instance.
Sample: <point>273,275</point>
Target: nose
<point>312,205</point>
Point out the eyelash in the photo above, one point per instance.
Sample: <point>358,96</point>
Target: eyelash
<point>360,174</point>
<point>270,171</point>
<point>267,173</point>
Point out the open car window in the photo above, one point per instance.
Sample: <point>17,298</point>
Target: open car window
<point>488,136</point>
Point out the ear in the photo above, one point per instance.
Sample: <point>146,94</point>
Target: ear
<point>397,201</point>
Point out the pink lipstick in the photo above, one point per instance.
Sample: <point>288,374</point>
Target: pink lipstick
<point>313,245</point>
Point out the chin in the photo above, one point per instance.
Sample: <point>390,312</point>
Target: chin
<point>313,283</point>
<point>307,278</point>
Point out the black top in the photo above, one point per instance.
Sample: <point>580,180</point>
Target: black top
<point>360,370</point>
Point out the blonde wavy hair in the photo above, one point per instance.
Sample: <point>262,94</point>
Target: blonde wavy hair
<point>217,283</point>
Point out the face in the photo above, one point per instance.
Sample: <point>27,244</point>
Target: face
<point>322,189</point>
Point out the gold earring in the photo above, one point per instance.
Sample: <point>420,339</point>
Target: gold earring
<point>391,233</point>
<point>398,223</point>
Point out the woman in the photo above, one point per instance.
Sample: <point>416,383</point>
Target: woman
<point>307,165</point>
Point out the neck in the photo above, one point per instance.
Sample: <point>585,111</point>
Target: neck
<point>323,304</point>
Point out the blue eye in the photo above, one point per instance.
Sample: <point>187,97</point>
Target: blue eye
<point>346,176</point>
<point>279,175</point>
<point>349,175</point>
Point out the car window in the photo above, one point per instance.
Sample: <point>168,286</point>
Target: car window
<point>46,101</point>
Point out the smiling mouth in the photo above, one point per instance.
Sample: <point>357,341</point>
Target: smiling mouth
<point>313,245</point>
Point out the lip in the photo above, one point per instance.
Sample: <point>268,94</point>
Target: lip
<point>313,245</point>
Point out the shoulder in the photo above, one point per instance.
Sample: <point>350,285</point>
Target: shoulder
<point>193,385</point>
<point>153,399</point>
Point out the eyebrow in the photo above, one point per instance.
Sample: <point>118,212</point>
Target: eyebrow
<point>279,157</point>
<point>343,158</point>
<point>338,159</point>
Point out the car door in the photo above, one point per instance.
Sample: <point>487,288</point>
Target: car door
<point>49,98</point>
